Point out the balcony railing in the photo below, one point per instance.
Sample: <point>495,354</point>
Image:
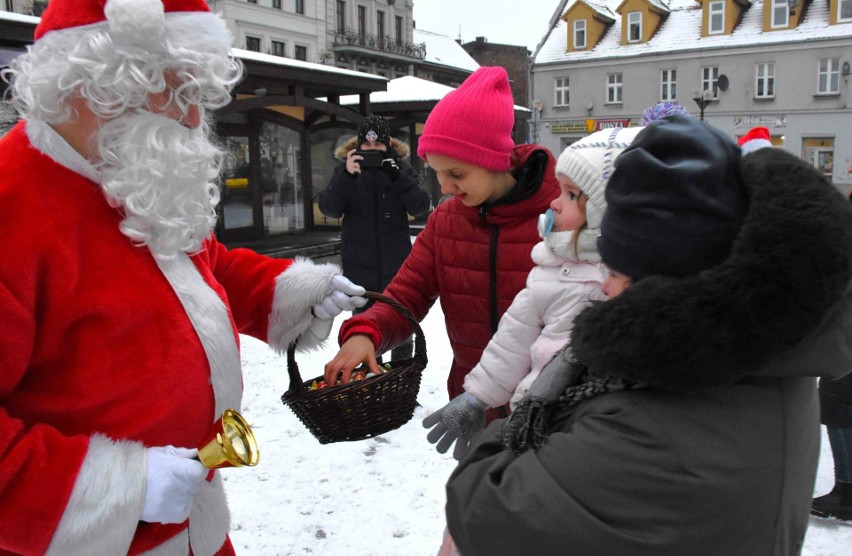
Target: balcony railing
<point>381,44</point>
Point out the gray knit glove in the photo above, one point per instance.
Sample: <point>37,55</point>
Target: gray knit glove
<point>459,421</point>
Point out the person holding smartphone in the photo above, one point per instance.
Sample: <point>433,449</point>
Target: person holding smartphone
<point>374,190</point>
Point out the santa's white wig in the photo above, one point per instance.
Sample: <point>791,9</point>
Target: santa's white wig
<point>114,64</point>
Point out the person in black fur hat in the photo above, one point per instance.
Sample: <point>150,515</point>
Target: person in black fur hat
<point>683,416</point>
<point>374,203</point>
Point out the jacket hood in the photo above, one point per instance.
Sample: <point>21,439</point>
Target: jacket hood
<point>402,149</point>
<point>790,263</point>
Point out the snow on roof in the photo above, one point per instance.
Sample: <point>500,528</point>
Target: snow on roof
<point>444,51</point>
<point>681,32</point>
<point>280,61</point>
<point>408,89</point>
<point>21,18</point>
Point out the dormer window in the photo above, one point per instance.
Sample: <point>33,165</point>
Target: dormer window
<point>844,11</point>
<point>780,14</point>
<point>716,17</point>
<point>579,34</point>
<point>634,27</point>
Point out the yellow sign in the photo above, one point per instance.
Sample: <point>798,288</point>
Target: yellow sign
<point>568,127</point>
<point>590,125</point>
<point>236,182</point>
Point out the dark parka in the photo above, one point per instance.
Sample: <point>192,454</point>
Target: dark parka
<point>375,235</point>
<point>719,455</point>
<point>475,258</point>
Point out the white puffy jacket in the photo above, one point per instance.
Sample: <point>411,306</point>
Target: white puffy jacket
<point>535,326</point>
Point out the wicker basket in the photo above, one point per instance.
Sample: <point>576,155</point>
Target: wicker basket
<point>362,409</point>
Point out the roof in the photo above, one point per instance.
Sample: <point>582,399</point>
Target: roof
<point>409,89</point>
<point>442,50</point>
<point>681,32</point>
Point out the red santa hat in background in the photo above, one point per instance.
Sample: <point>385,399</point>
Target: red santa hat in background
<point>756,138</point>
<point>138,22</point>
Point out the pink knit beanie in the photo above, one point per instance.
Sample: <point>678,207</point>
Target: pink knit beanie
<point>474,122</point>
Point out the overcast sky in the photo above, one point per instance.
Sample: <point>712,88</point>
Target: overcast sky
<point>521,23</point>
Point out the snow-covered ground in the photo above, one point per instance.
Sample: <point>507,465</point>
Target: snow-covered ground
<point>382,496</point>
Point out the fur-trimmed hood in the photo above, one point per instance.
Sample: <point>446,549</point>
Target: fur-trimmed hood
<point>402,149</point>
<point>791,262</point>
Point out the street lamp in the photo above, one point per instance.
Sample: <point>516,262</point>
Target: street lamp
<point>702,98</point>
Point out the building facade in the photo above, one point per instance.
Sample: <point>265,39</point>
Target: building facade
<point>737,64</point>
<point>515,59</point>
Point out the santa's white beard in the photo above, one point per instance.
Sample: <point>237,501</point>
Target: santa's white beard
<point>162,175</point>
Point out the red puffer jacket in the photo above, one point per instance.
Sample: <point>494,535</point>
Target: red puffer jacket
<point>476,259</point>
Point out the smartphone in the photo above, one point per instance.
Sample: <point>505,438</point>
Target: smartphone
<point>372,159</point>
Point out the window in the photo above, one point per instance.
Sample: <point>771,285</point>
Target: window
<point>300,7</point>
<point>844,10</point>
<point>362,23</point>
<point>780,14</point>
<point>819,151</point>
<point>613,88</point>
<point>561,92</point>
<point>276,4</point>
<point>253,43</point>
<point>634,27</point>
<point>399,34</point>
<point>341,16</point>
<point>252,1</point>
<point>279,48</point>
<point>828,76</point>
<point>710,80</point>
<point>716,18</point>
<point>301,53</point>
<point>765,85</point>
<point>668,85</point>
<point>380,25</point>
<point>579,34</point>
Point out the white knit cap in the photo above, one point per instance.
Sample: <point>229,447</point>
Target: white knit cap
<point>589,163</point>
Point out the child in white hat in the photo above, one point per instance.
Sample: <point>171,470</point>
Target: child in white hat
<point>567,277</point>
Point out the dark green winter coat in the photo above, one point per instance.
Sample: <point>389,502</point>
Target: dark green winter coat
<point>719,454</point>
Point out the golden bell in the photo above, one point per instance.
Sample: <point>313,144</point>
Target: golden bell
<point>230,444</point>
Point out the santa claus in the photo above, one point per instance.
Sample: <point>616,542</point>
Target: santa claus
<point>120,313</point>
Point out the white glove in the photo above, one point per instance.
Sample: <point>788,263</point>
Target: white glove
<point>344,296</point>
<point>173,478</point>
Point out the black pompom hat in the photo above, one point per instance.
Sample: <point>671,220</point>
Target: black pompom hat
<point>374,128</point>
<point>675,201</point>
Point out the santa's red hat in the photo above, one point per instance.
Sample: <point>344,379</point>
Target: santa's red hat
<point>134,21</point>
<point>756,138</point>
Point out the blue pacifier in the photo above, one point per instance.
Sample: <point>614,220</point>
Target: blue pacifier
<point>545,223</point>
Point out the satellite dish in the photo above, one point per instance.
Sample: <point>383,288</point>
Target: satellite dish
<point>589,104</point>
<point>723,82</point>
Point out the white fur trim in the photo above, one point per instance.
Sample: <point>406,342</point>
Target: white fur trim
<point>209,317</point>
<point>209,523</point>
<point>297,289</point>
<point>135,21</point>
<point>103,512</point>
<point>201,31</point>
<point>755,145</point>
<point>47,141</point>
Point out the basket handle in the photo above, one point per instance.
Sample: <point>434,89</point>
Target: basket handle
<point>296,381</point>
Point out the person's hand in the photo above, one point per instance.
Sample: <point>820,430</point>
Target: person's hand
<point>174,477</point>
<point>459,421</point>
<point>352,162</point>
<point>391,168</point>
<point>344,296</point>
<point>354,351</point>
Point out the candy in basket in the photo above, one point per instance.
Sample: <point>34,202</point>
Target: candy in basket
<point>362,408</point>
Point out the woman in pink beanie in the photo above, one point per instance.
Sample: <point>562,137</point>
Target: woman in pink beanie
<point>474,252</point>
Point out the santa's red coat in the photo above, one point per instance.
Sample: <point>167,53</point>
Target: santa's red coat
<point>105,351</point>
